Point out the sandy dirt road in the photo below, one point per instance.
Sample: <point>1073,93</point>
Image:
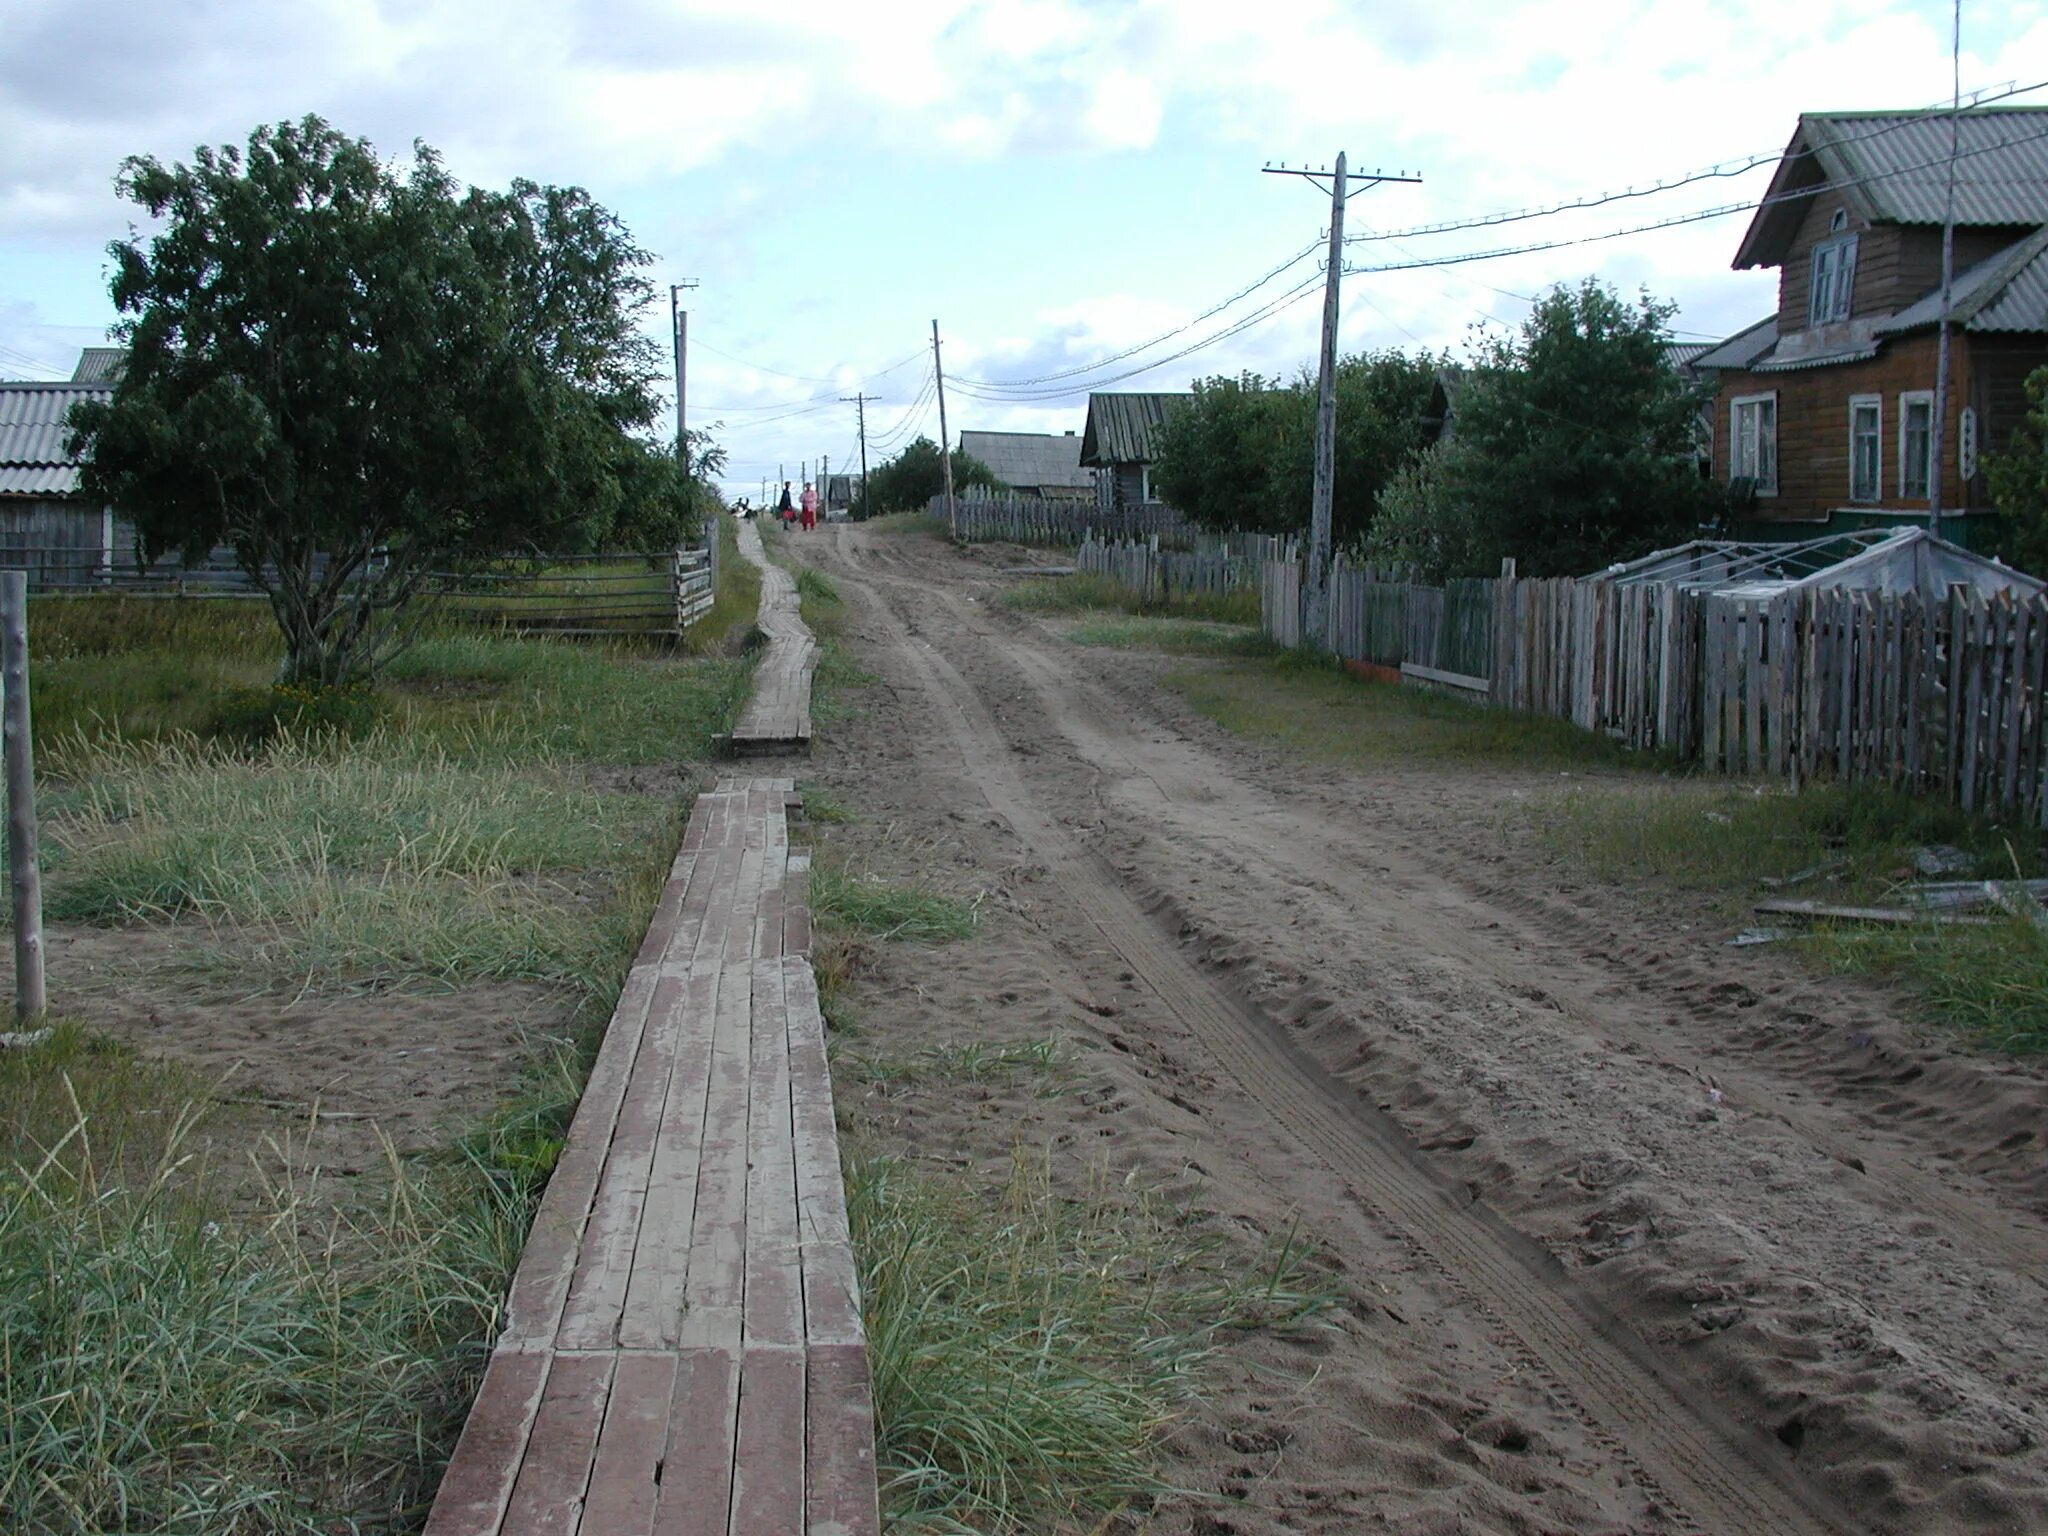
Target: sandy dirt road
<point>1632,1237</point>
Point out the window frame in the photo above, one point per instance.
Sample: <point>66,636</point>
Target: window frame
<point>1908,398</point>
<point>1841,286</point>
<point>1736,406</point>
<point>1876,492</point>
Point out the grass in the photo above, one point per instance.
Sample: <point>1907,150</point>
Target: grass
<point>1314,707</point>
<point>884,909</point>
<point>1176,637</point>
<point>174,1368</point>
<point>1089,593</point>
<point>1989,984</point>
<point>1029,1350</point>
<point>977,1061</point>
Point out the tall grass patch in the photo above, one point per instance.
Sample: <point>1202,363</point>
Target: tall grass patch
<point>869,904</point>
<point>1088,592</point>
<point>1175,637</point>
<point>143,667</point>
<point>1028,1350</point>
<point>183,1364</point>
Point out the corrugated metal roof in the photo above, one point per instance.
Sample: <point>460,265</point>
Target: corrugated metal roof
<point>1743,348</point>
<point>1893,168</point>
<point>1902,160</point>
<point>1861,352</point>
<point>32,434</point>
<point>2006,292</point>
<point>99,365</point>
<point>1120,427</point>
<point>38,479</point>
<point>1030,460</point>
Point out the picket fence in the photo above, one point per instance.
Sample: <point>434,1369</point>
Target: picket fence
<point>1029,520</point>
<point>1157,574</point>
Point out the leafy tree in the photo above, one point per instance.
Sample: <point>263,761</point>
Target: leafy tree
<point>1240,453</point>
<point>910,480</point>
<point>1574,442</point>
<point>1423,521</point>
<point>2019,482</point>
<point>356,375</point>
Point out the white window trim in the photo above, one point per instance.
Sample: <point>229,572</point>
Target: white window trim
<point>1735,406</point>
<point>1906,398</point>
<point>1843,244</point>
<point>1877,491</point>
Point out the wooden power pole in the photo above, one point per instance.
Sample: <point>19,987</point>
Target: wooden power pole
<point>24,868</point>
<point>679,328</point>
<point>945,453</point>
<point>860,410</point>
<point>1315,619</point>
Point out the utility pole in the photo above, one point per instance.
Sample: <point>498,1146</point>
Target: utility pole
<point>824,484</point>
<point>945,453</point>
<point>1316,587</point>
<point>1938,428</point>
<point>679,332</point>
<point>860,408</point>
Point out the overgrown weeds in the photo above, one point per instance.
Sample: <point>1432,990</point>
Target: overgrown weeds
<point>1176,637</point>
<point>885,909</point>
<point>1028,1350</point>
<point>173,1365</point>
<point>1087,592</point>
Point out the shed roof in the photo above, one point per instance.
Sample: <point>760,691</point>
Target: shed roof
<point>2006,292</point>
<point>32,432</point>
<point>1893,168</point>
<point>1121,427</point>
<point>1890,560</point>
<point>1741,349</point>
<point>1030,460</point>
<point>99,365</point>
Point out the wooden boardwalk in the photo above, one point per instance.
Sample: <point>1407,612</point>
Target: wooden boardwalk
<point>778,715</point>
<point>682,1351</point>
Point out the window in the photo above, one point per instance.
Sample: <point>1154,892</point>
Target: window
<point>1753,441</point>
<point>1866,447</point>
<point>1834,274</point>
<point>1916,443</point>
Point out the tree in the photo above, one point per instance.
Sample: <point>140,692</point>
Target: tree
<point>909,481</point>
<point>1240,453</point>
<point>2019,482</point>
<point>1574,440</point>
<point>355,375</point>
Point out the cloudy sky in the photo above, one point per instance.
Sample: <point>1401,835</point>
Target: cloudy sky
<point>1055,181</point>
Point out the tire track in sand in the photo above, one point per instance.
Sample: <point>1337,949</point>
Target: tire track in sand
<point>1725,1480</point>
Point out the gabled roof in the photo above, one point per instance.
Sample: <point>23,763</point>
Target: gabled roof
<point>1120,427</point>
<point>32,432</point>
<point>2006,292</point>
<point>1030,460</point>
<point>99,365</point>
<point>1892,167</point>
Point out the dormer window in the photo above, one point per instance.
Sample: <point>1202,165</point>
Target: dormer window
<point>1834,274</point>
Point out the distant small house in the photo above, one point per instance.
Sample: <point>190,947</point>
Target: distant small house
<point>1118,444</point>
<point>46,527</point>
<point>1042,464</point>
<point>1824,412</point>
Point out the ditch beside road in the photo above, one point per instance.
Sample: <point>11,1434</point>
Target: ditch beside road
<point>1632,1232</point>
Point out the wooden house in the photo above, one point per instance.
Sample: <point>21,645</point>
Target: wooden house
<point>46,527</point>
<point>1046,465</point>
<point>1824,410</point>
<point>1117,443</point>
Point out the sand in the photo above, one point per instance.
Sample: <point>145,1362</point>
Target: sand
<point>1634,1232</point>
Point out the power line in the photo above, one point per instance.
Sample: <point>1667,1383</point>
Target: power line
<point>1721,170</point>
<point>1117,357</point>
<point>1686,218</point>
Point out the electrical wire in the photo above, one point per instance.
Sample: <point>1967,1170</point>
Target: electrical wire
<point>1213,310</point>
<point>1721,170</point>
<point>1685,218</point>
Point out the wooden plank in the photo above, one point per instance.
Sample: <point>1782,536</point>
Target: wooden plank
<point>632,1447</point>
<point>2014,713</point>
<point>1458,680</point>
<point>768,1452</point>
<point>773,1311</point>
<point>796,910</point>
<point>696,1479</point>
<point>477,1486</point>
<point>2037,694</point>
<point>1753,685</point>
<point>831,1289</point>
<point>547,1499</point>
<point>1955,713</point>
<point>1976,623</point>
<point>839,1444</point>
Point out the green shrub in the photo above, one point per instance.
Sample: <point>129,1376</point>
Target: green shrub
<point>252,716</point>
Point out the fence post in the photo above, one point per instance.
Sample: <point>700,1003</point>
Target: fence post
<point>24,873</point>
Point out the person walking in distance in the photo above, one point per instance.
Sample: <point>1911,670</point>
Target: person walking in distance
<point>784,509</point>
<point>810,504</point>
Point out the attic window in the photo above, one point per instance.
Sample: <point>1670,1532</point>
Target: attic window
<point>1834,274</point>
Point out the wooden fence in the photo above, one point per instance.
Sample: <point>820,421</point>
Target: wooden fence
<point>1028,520</point>
<point>1157,574</point>
<point>625,593</point>
<point>1379,615</point>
